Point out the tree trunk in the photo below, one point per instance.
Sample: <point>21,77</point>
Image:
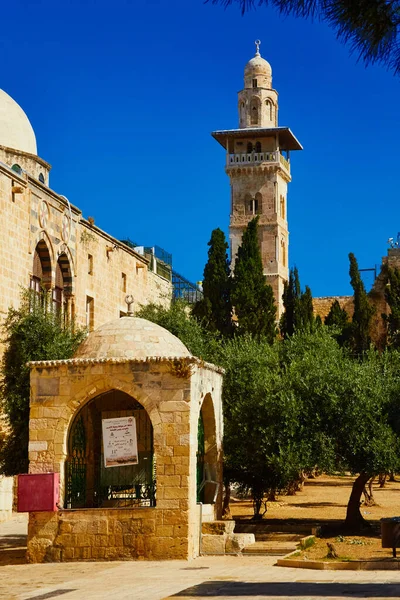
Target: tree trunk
<point>354,519</point>
<point>369,499</point>
<point>226,510</point>
<point>391,476</point>
<point>382,479</point>
<point>271,495</point>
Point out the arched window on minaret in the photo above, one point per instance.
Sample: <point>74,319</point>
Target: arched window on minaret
<point>254,110</point>
<point>283,253</point>
<point>258,204</point>
<point>258,146</point>
<point>268,105</point>
<point>282,199</point>
<point>249,147</point>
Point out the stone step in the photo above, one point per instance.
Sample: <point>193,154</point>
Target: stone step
<point>269,548</point>
<point>278,536</point>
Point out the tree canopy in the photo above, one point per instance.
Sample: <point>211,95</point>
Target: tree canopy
<point>32,332</point>
<point>370,27</point>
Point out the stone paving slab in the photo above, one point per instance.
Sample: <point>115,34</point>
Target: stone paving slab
<point>226,577</point>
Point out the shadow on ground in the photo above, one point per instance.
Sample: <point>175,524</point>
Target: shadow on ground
<point>298,590</point>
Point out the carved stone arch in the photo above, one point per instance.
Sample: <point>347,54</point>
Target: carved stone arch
<point>42,266</point>
<point>43,235</point>
<point>104,385</point>
<point>64,249</point>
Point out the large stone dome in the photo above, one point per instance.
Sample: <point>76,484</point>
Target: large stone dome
<point>131,338</point>
<point>15,129</point>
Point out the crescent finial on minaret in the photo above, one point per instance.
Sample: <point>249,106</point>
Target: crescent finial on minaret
<point>257,43</point>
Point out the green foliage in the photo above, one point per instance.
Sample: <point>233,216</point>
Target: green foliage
<point>32,332</point>
<point>179,321</point>
<point>297,404</point>
<point>337,316</point>
<point>298,314</point>
<point>260,418</point>
<point>338,320</point>
<point>215,309</point>
<point>392,296</point>
<point>252,297</point>
<point>371,27</point>
<point>363,311</point>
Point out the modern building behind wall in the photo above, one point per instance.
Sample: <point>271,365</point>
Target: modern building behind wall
<point>46,242</point>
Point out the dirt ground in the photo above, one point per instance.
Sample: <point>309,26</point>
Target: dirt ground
<point>348,548</point>
<point>323,500</point>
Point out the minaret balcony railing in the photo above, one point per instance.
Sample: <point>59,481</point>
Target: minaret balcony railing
<point>254,158</point>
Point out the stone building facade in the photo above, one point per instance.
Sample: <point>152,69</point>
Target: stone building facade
<point>258,166</point>
<point>46,242</point>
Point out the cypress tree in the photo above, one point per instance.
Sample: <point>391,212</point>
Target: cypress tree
<point>306,309</point>
<point>252,297</point>
<point>363,310</point>
<point>298,314</point>
<point>215,309</point>
<point>339,318</point>
<point>336,316</point>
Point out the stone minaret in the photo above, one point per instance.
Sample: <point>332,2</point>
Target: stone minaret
<point>258,166</point>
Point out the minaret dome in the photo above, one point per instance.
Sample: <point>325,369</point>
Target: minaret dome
<point>258,72</point>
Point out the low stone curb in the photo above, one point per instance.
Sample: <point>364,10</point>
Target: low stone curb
<point>389,564</point>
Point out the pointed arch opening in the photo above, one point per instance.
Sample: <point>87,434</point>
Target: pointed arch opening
<point>110,462</point>
<point>62,291</point>
<point>254,111</point>
<point>207,454</point>
<point>41,268</point>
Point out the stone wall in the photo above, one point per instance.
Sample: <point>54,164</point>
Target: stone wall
<point>6,497</point>
<point>323,305</point>
<point>107,534</point>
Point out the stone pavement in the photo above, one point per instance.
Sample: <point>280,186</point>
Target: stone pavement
<point>225,577</point>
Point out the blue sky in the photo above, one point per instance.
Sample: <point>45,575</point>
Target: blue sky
<point>123,97</point>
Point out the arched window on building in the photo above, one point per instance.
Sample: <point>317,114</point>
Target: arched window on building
<point>88,482</point>
<point>17,169</point>
<point>41,268</point>
<point>249,147</point>
<point>62,290</point>
<point>258,146</point>
<point>41,178</point>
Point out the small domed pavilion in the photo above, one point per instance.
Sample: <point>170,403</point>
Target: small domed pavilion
<point>147,503</point>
